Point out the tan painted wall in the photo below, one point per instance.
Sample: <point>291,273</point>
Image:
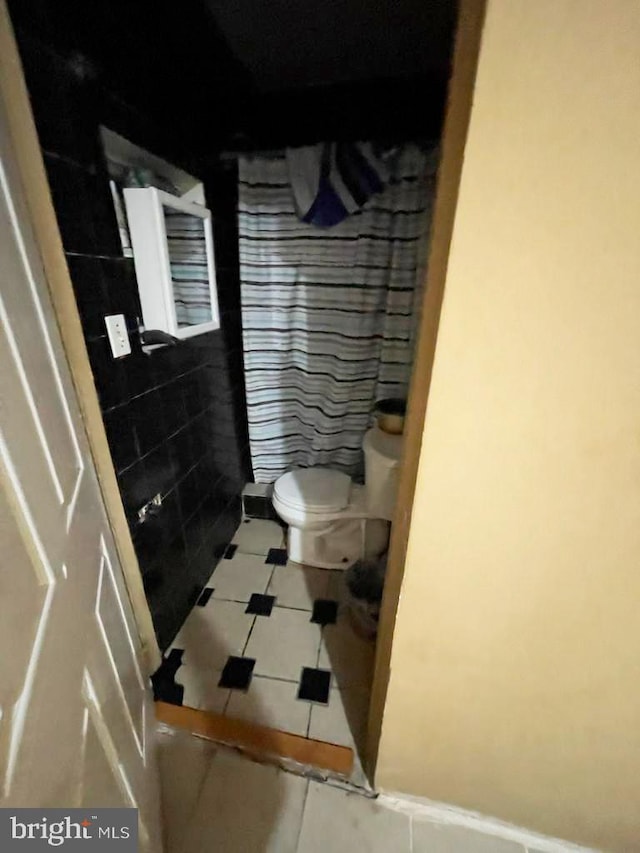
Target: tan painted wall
<point>515,667</point>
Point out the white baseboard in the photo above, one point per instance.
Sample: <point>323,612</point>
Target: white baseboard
<point>435,812</point>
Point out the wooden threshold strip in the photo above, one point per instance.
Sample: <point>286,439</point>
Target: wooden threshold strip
<point>261,740</point>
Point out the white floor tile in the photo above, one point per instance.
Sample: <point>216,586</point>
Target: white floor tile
<point>246,807</point>
<point>183,763</point>
<point>283,643</point>
<point>442,838</point>
<point>343,720</point>
<point>214,632</point>
<point>271,703</point>
<point>256,536</point>
<point>201,687</point>
<point>298,586</point>
<point>348,656</point>
<point>239,578</point>
<point>343,822</point>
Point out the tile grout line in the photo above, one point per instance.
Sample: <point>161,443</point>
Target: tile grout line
<point>226,703</point>
<point>302,813</point>
<point>308,729</point>
<point>244,648</point>
<point>273,571</point>
<point>275,606</point>
<point>246,642</point>
<point>249,553</point>
<point>317,667</point>
<point>309,721</point>
<point>196,799</point>
<point>277,678</point>
<point>322,627</point>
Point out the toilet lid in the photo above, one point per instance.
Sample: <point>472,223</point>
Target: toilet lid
<point>314,489</point>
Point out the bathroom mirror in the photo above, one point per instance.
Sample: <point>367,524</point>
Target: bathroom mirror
<point>188,262</point>
<point>173,253</point>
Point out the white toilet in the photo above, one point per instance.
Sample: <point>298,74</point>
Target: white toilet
<point>332,521</point>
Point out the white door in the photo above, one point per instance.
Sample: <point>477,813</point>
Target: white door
<point>76,720</point>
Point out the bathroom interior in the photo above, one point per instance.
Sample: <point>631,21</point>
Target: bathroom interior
<point>244,194</point>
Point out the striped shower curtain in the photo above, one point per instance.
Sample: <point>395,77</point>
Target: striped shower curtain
<point>188,263</point>
<point>329,314</point>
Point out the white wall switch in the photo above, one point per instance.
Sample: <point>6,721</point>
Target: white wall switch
<point>118,336</point>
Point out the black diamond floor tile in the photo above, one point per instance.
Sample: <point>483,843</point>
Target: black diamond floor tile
<point>314,685</point>
<point>277,556</point>
<point>237,673</point>
<point>325,611</point>
<point>205,595</point>
<point>260,605</point>
<point>165,687</point>
<point>230,552</point>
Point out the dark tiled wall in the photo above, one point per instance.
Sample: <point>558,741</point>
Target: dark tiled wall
<point>175,419</point>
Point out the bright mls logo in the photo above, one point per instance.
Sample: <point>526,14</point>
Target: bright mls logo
<point>29,830</point>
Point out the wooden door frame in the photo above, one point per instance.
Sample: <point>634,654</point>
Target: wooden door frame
<point>459,102</point>
<point>13,90</point>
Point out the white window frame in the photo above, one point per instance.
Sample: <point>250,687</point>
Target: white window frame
<point>151,257</point>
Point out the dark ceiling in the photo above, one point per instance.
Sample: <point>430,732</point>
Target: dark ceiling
<point>261,73</point>
<point>290,44</point>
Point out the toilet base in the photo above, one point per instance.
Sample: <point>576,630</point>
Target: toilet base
<point>339,544</point>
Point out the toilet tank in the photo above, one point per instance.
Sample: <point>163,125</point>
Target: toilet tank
<point>381,459</point>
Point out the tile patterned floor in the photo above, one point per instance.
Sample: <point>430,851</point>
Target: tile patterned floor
<point>215,799</point>
<point>270,642</point>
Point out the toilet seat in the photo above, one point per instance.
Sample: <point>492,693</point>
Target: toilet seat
<point>329,523</point>
<point>313,490</point>
<point>332,521</point>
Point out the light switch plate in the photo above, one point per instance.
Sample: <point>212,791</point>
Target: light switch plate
<point>118,336</point>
